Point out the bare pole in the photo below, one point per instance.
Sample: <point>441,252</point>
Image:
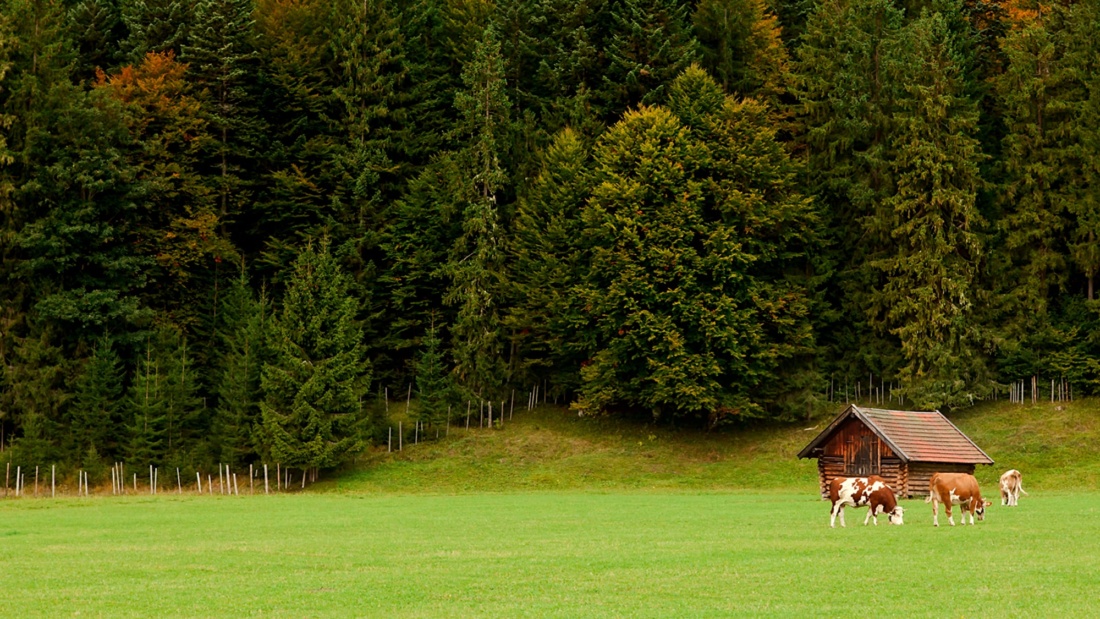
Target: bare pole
<point>198,481</point>
<point>512,406</point>
<point>448,431</point>
<point>267,488</point>
<point>179,481</point>
<point>53,480</point>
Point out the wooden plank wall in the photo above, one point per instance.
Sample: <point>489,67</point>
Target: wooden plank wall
<point>920,473</point>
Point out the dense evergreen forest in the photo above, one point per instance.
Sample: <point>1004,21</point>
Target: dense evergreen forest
<point>229,228</point>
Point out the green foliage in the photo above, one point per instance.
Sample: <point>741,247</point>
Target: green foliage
<point>649,44</point>
<point>35,393</point>
<point>930,277</point>
<point>690,230</point>
<point>434,390</point>
<point>244,322</point>
<point>95,411</point>
<point>547,261</point>
<point>741,47</point>
<point>476,258</point>
<point>318,374</point>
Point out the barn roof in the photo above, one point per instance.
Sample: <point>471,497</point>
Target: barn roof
<point>915,436</point>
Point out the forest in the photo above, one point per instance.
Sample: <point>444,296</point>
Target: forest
<point>231,229</point>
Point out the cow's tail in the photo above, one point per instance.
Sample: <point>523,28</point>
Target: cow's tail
<point>1020,486</point>
<point>928,499</point>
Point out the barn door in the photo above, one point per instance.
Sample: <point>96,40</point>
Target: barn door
<point>867,456</point>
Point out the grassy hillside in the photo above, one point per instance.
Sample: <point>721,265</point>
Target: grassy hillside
<point>551,449</point>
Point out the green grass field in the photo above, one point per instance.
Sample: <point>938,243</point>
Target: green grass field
<point>555,516</point>
<point>576,554</point>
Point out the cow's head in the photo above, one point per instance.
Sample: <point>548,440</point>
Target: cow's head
<point>896,516</point>
<point>980,511</point>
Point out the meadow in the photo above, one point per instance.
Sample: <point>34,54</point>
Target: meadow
<point>578,554</point>
<point>558,517</point>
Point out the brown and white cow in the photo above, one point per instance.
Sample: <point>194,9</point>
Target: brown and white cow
<point>1012,484</point>
<point>956,489</point>
<point>860,491</point>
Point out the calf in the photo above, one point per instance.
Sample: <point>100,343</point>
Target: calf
<point>1011,487</point>
<point>956,488</point>
<point>860,491</point>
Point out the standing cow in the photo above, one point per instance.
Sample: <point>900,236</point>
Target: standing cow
<point>1012,484</point>
<point>956,489</point>
<point>860,491</point>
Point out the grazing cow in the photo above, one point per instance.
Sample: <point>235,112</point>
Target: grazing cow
<point>956,488</point>
<point>1012,484</point>
<point>860,491</point>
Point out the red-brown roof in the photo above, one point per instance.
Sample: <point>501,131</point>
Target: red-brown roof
<point>915,436</point>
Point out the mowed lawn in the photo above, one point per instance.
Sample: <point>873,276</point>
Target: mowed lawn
<point>535,554</point>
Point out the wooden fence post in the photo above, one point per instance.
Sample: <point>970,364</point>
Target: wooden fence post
<point>198,481</point>
<point>265,480</point>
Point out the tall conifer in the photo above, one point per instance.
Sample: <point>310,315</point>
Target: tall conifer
<point>318,374</point>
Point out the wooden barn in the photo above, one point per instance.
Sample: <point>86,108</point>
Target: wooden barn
<point>904,447</point>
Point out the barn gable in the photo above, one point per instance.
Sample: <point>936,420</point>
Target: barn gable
<point>905,447</point>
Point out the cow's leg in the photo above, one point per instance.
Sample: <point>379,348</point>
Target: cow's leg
<point>1006,497</point>
<point>935,513</point>
<point>947,508</point>
<point>832,515</point>
<point>870,512</point>
<point>842,515</point>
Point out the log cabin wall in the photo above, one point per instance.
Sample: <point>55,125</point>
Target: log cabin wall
<point>855,451</point>
<point>920,473</point>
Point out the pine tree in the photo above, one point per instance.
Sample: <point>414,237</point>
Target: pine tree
<point>547,261</point>
<point>1040,91</point>
<point>741,47</point>
<point>237,422</point>
<point>148,419</point>
<point>318,373</point>
<point>158,26</point>
<point>184,411</point>
<point>476,258</point>
<point>94,415</point>
<point>36,379</point>
<point>221,55</point>
<point>931,275</point>
<point>848,77</point>
<point>97,31</point>
<point>433,386</point>
<point>649,44</point>
<point>69,213</point>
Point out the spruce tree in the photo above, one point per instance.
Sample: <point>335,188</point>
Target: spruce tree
<point>97,32</point>
<point>94,414</point>
<point>931,276</point>
<point>318,373</point>
<point>649,44</point>
<point>244,321</point>
<point>547,260</point>
<point>1041,92</point>
<point>848,77</point>
<point>741,47</point>
<point>146,407</point>
<point>221,54</point>
<point>476,260</point>
<point>433,385</point>
<point>36,378</point>
<point>155,26</point>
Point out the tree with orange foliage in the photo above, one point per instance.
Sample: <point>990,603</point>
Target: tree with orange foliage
<point>177,221</point>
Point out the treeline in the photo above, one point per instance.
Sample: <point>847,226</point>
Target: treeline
<point>227,225</point>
